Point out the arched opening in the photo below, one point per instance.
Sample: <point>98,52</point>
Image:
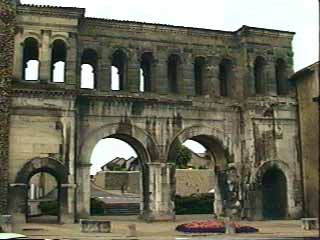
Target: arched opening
<point>118,183</point>
<point>146,65</point>
<point>58,61</point>
<point>89,64</point>
<point>202,185</point>
<point>43,202</point>
<point>225,77</point>
<point>199,75</point>
<point>259,75</point>
<point>174,73</point>
<point>31,62</point>
<point>118,70</point>
<point>281,77</point>
<point>274,194</point>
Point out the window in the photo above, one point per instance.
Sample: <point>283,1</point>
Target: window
<point>281,77</point>
<point>89,62</point>
<point>199,69</point>
<point>31,62</point>
<point>58,61</point>
<point>118,70</point>
<point>259,75</point>
<point>174,72</point>
<point>225,77</point>
<point>146,72</point>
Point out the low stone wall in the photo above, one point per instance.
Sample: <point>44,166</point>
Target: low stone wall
<point>95,226</point>
<point>187,181</point>
<point>114,180</point>
<point>194,181</point>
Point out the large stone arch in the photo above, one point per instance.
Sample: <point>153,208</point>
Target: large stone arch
<point>212,138</point>
<point>216,143</point>
<point>19,190</point>
<point>293,209</point>
<point>142,142</point>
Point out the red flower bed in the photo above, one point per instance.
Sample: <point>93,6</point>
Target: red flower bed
<point>212,227</point>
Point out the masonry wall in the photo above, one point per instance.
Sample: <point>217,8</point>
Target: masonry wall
<point>307,88</point>
<point>7,24</point>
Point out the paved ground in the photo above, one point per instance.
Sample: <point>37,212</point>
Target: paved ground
<point>163,230</point>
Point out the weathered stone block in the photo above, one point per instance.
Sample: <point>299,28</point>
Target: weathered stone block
<point>95,226</point>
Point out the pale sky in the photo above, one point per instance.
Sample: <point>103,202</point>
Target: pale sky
<point>300,16</point>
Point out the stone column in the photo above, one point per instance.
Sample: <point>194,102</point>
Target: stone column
<point>18,58</point>
<point>83,191</point>
<point>187,84</point>
<point>212,72</point>
<point>161,74</point>
<point>104,81</point>
<point>161,206</point>
<point>270,80</point>
<point>18,202</point>
<point>65,212</point>
<point>71,64</point>
<point>133,74</point>
<point>45,58</point>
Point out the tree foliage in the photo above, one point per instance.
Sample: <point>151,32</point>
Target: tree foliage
<point>183,157</point>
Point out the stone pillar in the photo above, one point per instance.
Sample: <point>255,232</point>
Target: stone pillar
<point>212,71</point>
<point>161,206</point>
<point>133,74</point>
<point>18,58</point>
<point>104,81</point>
<point>270,80</point>
<point>18,202</point>
<point>83,191</point>
<point>45,58</point>
<point>66,213</point>
<point>187,84</point>
<point>161,74</point>
<point>71,64</point>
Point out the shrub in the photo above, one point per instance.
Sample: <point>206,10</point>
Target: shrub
<point>194,204</point>
<point>49,208</point>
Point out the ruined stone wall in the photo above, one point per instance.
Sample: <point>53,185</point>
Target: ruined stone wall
<point>7,27</point>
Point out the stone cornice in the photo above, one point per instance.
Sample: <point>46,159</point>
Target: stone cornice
<point>66,12</point>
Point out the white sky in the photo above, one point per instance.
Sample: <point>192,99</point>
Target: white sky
<point>300,16</point>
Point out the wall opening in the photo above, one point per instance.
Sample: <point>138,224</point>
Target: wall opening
<point>274,194</point>
<point>31,62</point>
<point>146,73</point>
<point>174,73</point>
<point>119,71</point>
<point>58,61</point>
<point>225,77</point>
<point>199,75</point>
<point>201,185</point>
<point>89,64</point>
<point>281,77</point>
<point>43,202</point>
<point>117,183</point>
<point>259,75</point>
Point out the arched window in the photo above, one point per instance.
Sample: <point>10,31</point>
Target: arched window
<point>118,70</point>
<point>146,72</point>
<point>281,77</point>
<point>89,63</point>
<point>225,77</point>
<point>58,61</point>
<point>199,75</point>
<point>31,62</point>
<point>259,75</point>
<point>174,72</point>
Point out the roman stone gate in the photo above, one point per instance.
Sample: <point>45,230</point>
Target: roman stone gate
<point>153,86</point>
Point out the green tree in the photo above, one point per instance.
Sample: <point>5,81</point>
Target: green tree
<point>183,157</point>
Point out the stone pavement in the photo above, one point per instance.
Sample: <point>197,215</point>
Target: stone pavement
<point>164,230</point>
